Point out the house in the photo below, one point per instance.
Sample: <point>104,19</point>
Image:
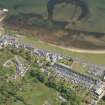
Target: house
<point>99,88</point>
<point>52,57</point>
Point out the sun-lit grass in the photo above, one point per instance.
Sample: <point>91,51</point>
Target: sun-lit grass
<point>4,56</point>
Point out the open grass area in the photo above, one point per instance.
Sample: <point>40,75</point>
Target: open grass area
<point>38,94</point>
<point>79,68</point>
<point>30,92</point>
<point>4,56</point>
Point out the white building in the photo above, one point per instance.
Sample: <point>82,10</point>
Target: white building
<point>5,10</point>
<point>99,88</point>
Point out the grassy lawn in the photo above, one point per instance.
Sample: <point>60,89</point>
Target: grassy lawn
<point>4,56</point>
<point>79,68</point>
<point>32,93</point>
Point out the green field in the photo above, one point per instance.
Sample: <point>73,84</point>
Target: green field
<point>3,58</point>
<point>79,68</point>
<point>95,21</point>
<point>38,94</point>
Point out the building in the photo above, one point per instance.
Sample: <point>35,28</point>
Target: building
<point>99,88</point>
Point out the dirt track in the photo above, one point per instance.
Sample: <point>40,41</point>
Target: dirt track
<point>81,50</point>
